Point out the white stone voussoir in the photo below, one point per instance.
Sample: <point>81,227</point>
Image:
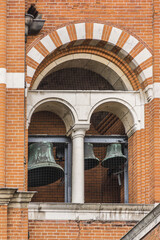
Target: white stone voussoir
<point>35,55</point>
<point>48,43</point>
<point>63,34</point>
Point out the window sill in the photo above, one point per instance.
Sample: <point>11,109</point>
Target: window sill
<point>86,212</point>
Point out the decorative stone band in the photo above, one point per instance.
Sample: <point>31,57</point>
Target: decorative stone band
<point>149,222</point>
<point>15,80</point>
<point>127,46</point>
<point>152,91</point>
<point>93,212</point>
<point>15,199</point>
<point>12,80</point>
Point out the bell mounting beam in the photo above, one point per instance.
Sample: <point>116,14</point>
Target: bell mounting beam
<point>90,139</point>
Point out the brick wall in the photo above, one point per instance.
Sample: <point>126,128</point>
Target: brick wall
<point>17,223</point>
<point>2,133</point>
<point>15,168</point>
<point>140,18</point>
<point>3,222</point>
<point>78,230</point>
<point>137,168</point>
<point>128,14</point>
<point>15,36</point>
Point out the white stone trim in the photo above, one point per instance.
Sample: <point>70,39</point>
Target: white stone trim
<point>30,71</point>
<point>92,57</point>
<point>3,75</point>
<point>116,69</point>
<point>130,44</point>
<point>140,58</point>
<point>97,31</point>
<point>156,90</point>
<point>152,91</point>
<point>127,105</point>
<point>63,34</point>
<point>80,31</point>
<point>114,35</point>
<point>146,73</point>
<point>35,55</point>
<point>82,212</point>
<point>48,43</point>
<point>15,80</point>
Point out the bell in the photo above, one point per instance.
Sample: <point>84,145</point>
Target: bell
<point>114,158</point>
<point>90,161</point>
<point>42,168</point>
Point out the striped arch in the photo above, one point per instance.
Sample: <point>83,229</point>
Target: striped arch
<point>126,46</point>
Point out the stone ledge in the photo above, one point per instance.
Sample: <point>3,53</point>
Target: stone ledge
<point>21,199</point>
<point>94,212</point>
<point>15,199</point>
<point>6,194</point>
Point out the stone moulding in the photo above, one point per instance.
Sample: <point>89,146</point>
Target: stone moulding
<point>93,212</point>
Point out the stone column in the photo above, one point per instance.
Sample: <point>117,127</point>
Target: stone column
<point>78,164</point>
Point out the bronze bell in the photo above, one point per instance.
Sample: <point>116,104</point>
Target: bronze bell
<point>42,168</point>
<point>114,158</point>
<point>90,161</point>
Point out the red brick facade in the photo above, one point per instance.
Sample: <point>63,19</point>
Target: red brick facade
<point>78,229</point>
<point>23,63</point>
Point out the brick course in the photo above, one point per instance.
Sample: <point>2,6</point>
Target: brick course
<point>78,230</point>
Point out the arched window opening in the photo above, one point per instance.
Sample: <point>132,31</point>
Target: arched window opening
<point>46,165</point>
<point>82,74</point>
<point>104,182</point>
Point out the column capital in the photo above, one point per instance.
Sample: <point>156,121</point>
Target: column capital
<point>79,130</point>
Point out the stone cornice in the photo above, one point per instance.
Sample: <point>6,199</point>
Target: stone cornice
<point>6,194</point>
<point>21,199</point>
<point>94,212</point>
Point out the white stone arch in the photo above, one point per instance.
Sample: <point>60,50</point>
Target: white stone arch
<point>122,109</point>
<point>107,69</point>
<point>59,106</point>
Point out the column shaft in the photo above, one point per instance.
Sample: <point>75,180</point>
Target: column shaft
<point>78,166</point>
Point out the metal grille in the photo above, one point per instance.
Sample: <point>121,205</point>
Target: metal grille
<point>49,189</point>
<point>103,185</point>
<point>74,79</point>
